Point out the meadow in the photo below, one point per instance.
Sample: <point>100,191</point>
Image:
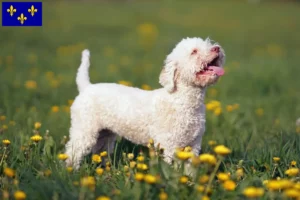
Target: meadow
<point>252,110</point>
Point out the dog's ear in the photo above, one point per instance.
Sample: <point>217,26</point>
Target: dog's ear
<point>168,76</point>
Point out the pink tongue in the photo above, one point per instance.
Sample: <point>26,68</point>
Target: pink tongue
<point>217,70</point>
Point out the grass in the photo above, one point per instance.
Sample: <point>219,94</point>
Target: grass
<point>128,43</point>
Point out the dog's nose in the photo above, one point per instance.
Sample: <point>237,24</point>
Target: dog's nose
<point>215,49</point>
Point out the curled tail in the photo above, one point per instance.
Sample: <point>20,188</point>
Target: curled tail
<point>82,78</point>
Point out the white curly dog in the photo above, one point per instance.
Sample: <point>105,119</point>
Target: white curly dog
<point>173,116</point>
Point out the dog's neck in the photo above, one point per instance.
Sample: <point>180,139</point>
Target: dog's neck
<point>189,96</point>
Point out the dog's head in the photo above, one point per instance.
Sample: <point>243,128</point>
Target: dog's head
<point>193,62</point>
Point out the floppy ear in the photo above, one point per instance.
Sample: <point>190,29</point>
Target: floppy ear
<point>168,76</point>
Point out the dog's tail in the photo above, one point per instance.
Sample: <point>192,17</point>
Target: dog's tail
<point>82,78</point>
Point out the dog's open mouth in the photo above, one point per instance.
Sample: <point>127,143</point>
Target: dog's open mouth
<point>212,68</point>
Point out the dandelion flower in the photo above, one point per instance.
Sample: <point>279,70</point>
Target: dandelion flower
<point>205,198</point>
<point>182,155</point>
<point>130,156</point>
<point>279,184</point>
<point>47,172</point>
<point>253,192</point>
<point>229,108</point>
<point>229,185</point>
<point>30,84</point>
<point>222,150</point>
<point>140,158</point>
<point>212,142</point>
<point>37,125</point>
<point>132,164</point>
<point>19,195</point>
<point>148,178</point>
<point>200,188</point>
<point>6,142</point>
<point>203,179</point>
<point>69,169</point>
<point>212,105</point>
<point>292,172</point>
<point>292,193</point>
<point>293,163</point>
<point>103,198</point>
<point>4,127</point>
<point>9,172</point>
<point>103,154</point>
<point>62,156</point>
<point>99,171</point>
<point>2,118</point>
<point>126,168</point>
<point>240,172</point>
<point>142,166</point>
<point>139,176</point>
<point>276,159</point>
<point>36,138</point>
<point>126,83</point>
<point>96,158</point>
<point>183,179</point>
<point>88,181</point>
<point>208,158</point>
<point>54,109</point>
<point>218,111</point>
<point>163,196</point>
<point>223,176</point>
<point>151,142</point>
<point>259,112</point>
<point>146,87</point>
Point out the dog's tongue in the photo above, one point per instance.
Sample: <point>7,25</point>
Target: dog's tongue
<point>216,70</point>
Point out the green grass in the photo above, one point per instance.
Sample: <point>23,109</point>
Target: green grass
<point>261,42</point>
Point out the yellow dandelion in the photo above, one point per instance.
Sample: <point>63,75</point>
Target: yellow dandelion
<point>279,184</point>
<point>293,163</point>
<point>146,87</point>
<point>208,158</point>
<point>276,159</point>
<point>6,142</point>
<point>96,158</point>
<point>297,186</point>
<point>19,195</point>
<point>222,150</point>
<point>182,155</point>
<point>212,105</point>
<point>229,185</point>
<point>218,111</point>
<point>103,154</point>
<point>2,118</point>
<point>259,112</point>
<point>292,171</point>
<point>236,106</point>
<point>150,179</point>
<point>126,168</point>
<point>70,169</point>
<point>47,172</point>
<point>62,156</point>
<point>200,188</point>
<point>4,127</point>
<point>126,83</point>
<point>107,168</point>
<point>142,166</point>
<point>163,195</point>
<point>37,125</point>
<point>130,156</point>
<point>253,192</point>
<point>103,198</point>
<point>139,176</point>
<point>292,193</point>
<point>223,176</point>
<point>99,171</point>
<point>9,172</point>
<point>54,109</point>
<point>183,179</point>
<point>239,172</point>
<point>212,142</point>
<point>88,181</point>
<point>132,164</point>
<point>30,84</point>
<point>36,138</point>
<point>12,123</point>
<point>140,158</point>
<point>229,108</point>
<point>203,179</point>
<point>205,198</point>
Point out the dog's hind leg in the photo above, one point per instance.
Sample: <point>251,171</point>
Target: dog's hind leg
<point>105,142</point>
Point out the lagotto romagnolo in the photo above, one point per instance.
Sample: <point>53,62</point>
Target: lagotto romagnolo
<point>173,115</point>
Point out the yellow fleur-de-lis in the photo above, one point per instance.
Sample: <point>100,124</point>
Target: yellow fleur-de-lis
<point>32,10</point>
<point>11,10</point>
<point>22,18</point>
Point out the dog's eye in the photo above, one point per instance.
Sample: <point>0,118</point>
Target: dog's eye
<point>194,51</point>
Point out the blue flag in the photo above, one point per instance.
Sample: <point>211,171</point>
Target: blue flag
<point>22,14</point>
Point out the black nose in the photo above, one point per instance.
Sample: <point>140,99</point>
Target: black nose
<point>215,49</point>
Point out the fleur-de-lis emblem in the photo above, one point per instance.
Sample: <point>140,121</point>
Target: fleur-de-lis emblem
<point>32,10</point>
<point>11,10</point>
<point>22,18</point>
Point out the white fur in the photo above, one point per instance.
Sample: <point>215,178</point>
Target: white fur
<point>173,116</point>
